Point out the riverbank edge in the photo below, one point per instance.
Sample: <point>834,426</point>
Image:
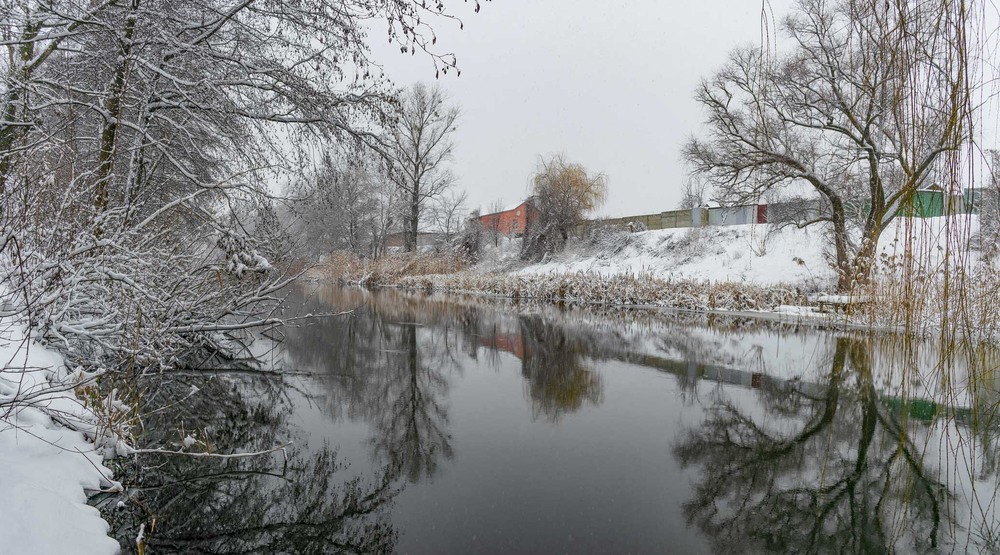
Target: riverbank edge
<point>49,459</point>
<point>784,303</point>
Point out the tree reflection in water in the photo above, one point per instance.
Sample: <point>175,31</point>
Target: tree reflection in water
<point>787,466</point>
<point>558,381</point>
<point>383,364</point>
<point>407,405</point>
<point>245,505</point>
<point>390,363</point>
<point>846,478</point>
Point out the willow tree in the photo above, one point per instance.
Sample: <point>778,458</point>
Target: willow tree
<point>562,193</point>
<point>868,103</point>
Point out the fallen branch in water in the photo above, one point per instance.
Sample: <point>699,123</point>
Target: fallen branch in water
<point>216,455</point>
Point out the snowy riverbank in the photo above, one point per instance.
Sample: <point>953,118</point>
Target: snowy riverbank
<point>750,254</point>
<point>760,269</point>
<point>759,254</point>
<point>47,468</point>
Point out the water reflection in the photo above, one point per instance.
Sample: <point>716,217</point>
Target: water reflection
<point>391,363</point>
<point>383,366</point>
<point>554,365</point>
<point>407,405</point>
<point>832,466</point>
<point>479,427</point>
<point>267,504</point>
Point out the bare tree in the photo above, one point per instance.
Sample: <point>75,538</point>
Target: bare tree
<point>694,192</point>
<point>449,214</point>
<point>869,104</point>
<point>420,146</point>
<point>337,208</point>
<point>563,192</point>
<point>389,208</point>
<point>491,224</point>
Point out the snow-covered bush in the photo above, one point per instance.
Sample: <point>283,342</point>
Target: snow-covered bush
<point>469,241</point>
<point>241,255</point>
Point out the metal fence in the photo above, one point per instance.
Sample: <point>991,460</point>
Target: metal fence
<point>662,220</point>
<point>796,210</point>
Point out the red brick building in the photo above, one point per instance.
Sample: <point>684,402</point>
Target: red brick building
<point>513,220</point>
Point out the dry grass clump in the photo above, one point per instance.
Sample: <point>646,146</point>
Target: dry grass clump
<point>345,267</point>
<point>931,282</point>
<point>622,289</point>
<point>963,303</point>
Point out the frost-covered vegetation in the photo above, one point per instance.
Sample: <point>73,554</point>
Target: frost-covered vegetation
<point>933,273</point>
<point>621,289</point>
<point>140,146</point>
<point>937,275</point>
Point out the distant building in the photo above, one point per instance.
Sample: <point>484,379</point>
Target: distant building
<point>513,220</point>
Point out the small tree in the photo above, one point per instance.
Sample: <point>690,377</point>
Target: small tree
<point>563,192</point>
<point>694,192</point>
<point>470,240</point>
<point>448,215</point>
<point>491,226</point>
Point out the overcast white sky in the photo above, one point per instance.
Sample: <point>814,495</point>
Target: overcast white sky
<point>608,83</point>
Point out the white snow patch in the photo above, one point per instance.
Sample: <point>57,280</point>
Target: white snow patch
<point>46,468</point>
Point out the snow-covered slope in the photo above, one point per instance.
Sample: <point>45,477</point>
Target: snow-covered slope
<point>760,254</point>
<point>746,253</point>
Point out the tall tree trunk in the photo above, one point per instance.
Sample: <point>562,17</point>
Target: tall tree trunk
<point>113,107</point>
<point>11,129</point>
<point>411,235</point>
<point>845,270</point>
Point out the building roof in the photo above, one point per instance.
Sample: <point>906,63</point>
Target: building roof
<point>507,208</point>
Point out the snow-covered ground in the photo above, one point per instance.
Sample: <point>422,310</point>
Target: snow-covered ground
<point>46,468</point>
<point>746,253</point>
<point>760,254</point>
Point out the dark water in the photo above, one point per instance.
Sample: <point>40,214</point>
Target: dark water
<point>422,425</point>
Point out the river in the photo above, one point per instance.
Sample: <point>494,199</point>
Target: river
<point>424,424</point>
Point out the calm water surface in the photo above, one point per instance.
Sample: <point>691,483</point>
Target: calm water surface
<point>429,425</point>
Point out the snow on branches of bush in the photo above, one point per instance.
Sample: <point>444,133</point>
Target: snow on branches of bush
<point>137,297</point>
<point>241,255</point>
